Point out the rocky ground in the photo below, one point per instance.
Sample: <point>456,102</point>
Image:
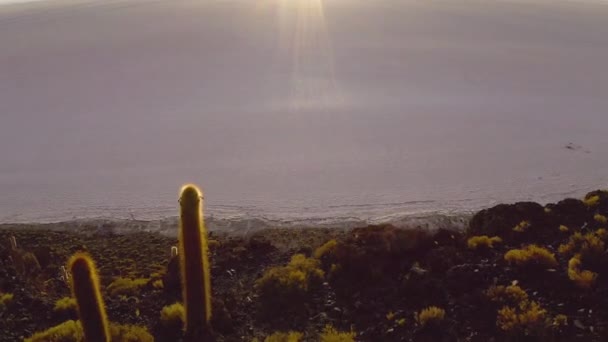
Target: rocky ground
<point>373,281</point>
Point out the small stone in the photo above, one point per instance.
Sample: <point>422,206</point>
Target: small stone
<point>578,324</point>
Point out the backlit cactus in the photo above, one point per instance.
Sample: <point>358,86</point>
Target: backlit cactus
<point>85,289</point>
<point>194,263</point>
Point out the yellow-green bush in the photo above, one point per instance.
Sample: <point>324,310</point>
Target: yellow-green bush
<point>330,334</point>
<point>158,284</point>
<point>68,331</point>
<point>5,299</point>
<point>563,228</point>
<point>589,245</point>
<point>173,315</point>
<point>297,277</point>
<point>600,218</point>
<point>130,333</point>
<point>592,201</point>
<point>328,247</point>
<point>430,316</point>
<point>127,286</point>
<point>582,278</point>
<point>528,318</point>
<point>532,255</point>
<point>71,331</point>
<point>512,294</point>
<point>65,304</point>
<point>522,226</point>
<point>483,241</point>
<point>291,336</point>
<point>560,320</point>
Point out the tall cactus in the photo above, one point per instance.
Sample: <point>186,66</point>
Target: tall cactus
<point>85,288</point>
<point>194,263</point>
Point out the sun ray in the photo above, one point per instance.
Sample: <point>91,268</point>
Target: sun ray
<point>304,35</point>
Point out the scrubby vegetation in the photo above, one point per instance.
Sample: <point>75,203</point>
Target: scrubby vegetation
<point>291,336</point>
<point>531,255</point>
<point>65,304</point>
<point>519,272</point>
<point>430,316</point>
<point>173,316</point>
<point>5,299</point>
<point>127,286</point>
<point>483,242</point>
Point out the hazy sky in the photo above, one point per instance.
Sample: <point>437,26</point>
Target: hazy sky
<point>252,97</point>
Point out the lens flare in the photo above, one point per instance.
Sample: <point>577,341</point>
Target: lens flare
<point>304,36</point>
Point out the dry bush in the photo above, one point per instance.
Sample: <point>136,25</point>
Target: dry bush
<point>582,278</point>
<point>290,336</point>
<point>71,331</point>
<point>430,316</point>
<point>330,334</point>
<point>600,218</point>
<point>592,201</point>
<point>531,255</point>
<point>512,294</point>
<point>528,318</point>
<point>173,316</point>
<point>65,304</point>
<point>483,242</point>
<point>522,226</point>
<point>127,286</point>
<point>289,285</point>
<point>327,248</point>
<point>5,300</point>
<point>590,245</point>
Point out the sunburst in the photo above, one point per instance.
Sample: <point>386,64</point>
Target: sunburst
<point>304,36</point>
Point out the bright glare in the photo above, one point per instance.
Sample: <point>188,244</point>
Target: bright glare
<point>304,34</point>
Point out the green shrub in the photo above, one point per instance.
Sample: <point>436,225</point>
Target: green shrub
<point>328,247</point>
<point>582,278</point>
<point>71,331</point>
<point>5,300</point>
<point>127,286</point>
<point>330,334</point>
<point>600,218</point>
<point>512,294</point>
<point>531,255</point>
<point>291,336</point>
<point>65,304</point>
<point>296,278</point>
<point>130,333</point>
<point>483,242</point>
<point>590,245</point>
<point>522,226</point>
<point>430,316</point>
<point>592,201</point>
<point>173,316</point>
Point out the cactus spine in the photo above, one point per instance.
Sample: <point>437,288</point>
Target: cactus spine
<point>85,289</point>
<point>194,263</point>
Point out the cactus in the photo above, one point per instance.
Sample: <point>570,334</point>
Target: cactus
<point>85,289</point>
<point>194,263</point>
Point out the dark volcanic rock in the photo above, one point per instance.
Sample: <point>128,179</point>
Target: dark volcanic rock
<point>569,212</point>
<point>501,219</point>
